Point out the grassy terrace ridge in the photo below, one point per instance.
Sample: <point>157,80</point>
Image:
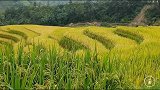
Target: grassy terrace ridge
<point>106,42</point>
<point>138,38</point>
<point>77,35</point>
<point>2,42</point>
<point>19,28</point>
<point>71,44</point>
<point>15,39</point>
<point>22,34</point>
<point>119,41</point>
<point>32,31</point>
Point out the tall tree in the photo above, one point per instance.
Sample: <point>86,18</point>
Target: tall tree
<point>48,2</point>
<point>70,1</point>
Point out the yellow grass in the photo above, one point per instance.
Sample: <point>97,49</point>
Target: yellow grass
<point>124,48</point>
<point>51,35</point>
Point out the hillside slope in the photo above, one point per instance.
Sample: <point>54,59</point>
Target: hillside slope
<point>140,18</point>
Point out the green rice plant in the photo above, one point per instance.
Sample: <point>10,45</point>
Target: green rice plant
<point>48,69</point>
<point>138,38</point>
<point>71,45</point>
<point>15,39</point>
<point>51,68</point>
<point>4,43</point>
<point>22,34</point>
<point>106,42</point>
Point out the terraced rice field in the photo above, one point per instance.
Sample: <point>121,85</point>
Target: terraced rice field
<point>122,54</point>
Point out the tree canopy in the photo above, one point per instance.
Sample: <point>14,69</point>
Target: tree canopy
<point>111,11</point>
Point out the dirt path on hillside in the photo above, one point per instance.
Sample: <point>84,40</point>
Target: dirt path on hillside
<point>140,18</point>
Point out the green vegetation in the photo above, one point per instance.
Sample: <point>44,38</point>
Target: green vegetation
<point>153,16</point>
<point>86,11</point>
<point>15,39</point>
<point>3,43</point>
<point>106,42</point>
<point>138,38</point>
<point>48,69</point>
<point>77,58</point>
<point>70,44</point>
<point>85,56</point>
<point>111,11</point>
<point>18,33</point>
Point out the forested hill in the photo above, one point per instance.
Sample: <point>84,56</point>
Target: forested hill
<point>10,3</point>
<point>72,11</point>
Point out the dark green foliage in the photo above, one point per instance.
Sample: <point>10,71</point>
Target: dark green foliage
<point>153,15</point>
<point>106,42</point>
<point>101,11</point>
<point>105,24</point>
<point>70,44</point>
<point>138,38</point>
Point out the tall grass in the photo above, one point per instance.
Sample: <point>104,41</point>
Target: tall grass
<point>42,68</point>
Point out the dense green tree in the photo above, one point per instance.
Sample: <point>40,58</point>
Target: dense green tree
<point>112,11</point>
